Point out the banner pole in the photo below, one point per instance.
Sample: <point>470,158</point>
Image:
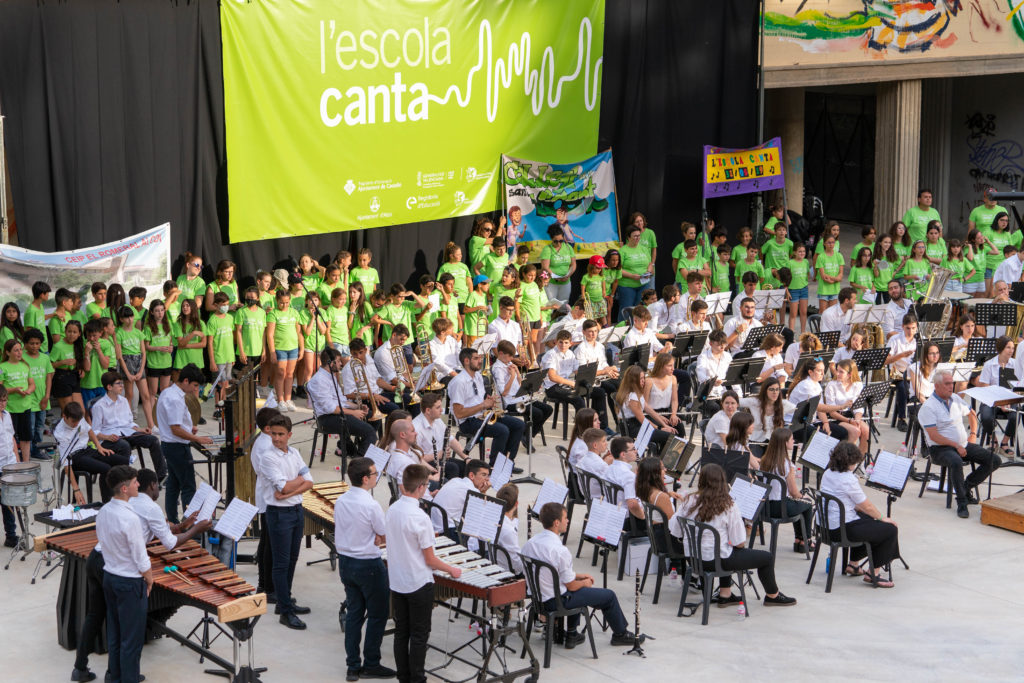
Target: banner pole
<point>759,202</point>
<point>4,236</point>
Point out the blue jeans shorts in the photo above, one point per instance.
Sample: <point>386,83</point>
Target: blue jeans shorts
<point>798,294</point>
<point>286,355</point>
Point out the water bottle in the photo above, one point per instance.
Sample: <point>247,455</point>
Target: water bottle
<point>741,611</point>
<point>902,452</point>
<point>673,575</point>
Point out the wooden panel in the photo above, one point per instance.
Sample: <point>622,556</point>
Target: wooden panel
<point>1006,512</point>
<point>249,606</point>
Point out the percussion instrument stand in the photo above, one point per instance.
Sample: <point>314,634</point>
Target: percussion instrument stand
<point>241,631</point>
<point>25,541</point>
<point>493,637</point>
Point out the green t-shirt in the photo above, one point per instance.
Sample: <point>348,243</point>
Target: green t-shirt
<point>477,248</point>
<point>611,277</point>
<point>316,339</point>
<point>183,357</point>
<point>6,334</point>
<point>960,267</point>
<point>325,290</point>
<point>776,256</point>
<point>801,272</point>
<point>856,250</point>
<point>593,288</point>
<point>312,281</point>
<point>129,340</point>
<point>496,292</point>
<point>744,267</point>
<point>917,221</point>
<point>35,318</point>
<point>545,315</point>
<point>739,252</point>
<point>720,275</point>
<point>530,304</point>
<point>634,260</point>
<point>40,367</point>
<point>402,314</point>
<point>158,360</point>
<point>920,268</point>
<point>231,289</point>
<point>173,309</point>
<point>56,325</point>
<point>267,301</point>
<point>91,379</point>
<point>367,276</point>
<point>451,312</point>
<point>476,323</point>
<point>286,336</point>
<point>691,265</point>
<point>649,239</point>
<point>769,225</point>
<point>494,266</point>
<point>863,277</point>
<point>190,289</point>
<point>831,265</point>
<point>140,313</point>
<point>982,216</point>
<point>337,317</point>
<point>902,250</point>
<point>979,263</point>
<point>93,309</point>
<point>62,351</point>
<point>937,250</point>
<point>460,271</point>
<point>297,301</point>
<point>15,376</point>
<point>999,240</point>
<point>560,260</point>
<point>80,317</point>
<point>222,329</point>
<point>886,273</point>
<point>820,248</point>
<point>360,319</point>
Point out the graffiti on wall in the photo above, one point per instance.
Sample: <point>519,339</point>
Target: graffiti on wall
<point>828,31</point>
<point>991,158</point>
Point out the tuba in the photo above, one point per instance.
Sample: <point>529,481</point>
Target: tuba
<point>933,295</point>
<point>363,386</point>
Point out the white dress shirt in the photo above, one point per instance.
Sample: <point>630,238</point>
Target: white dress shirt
<point>260,445</point>
<point>805,389</point>
<point>946,417</point>
<point>576,452</point>
<point>892,321</point>
<point>990,371</point>
<point>833,319</point>
<point>845,487</point>
<point>429,436</point>
<point>730,327</point>
<point>718,424</point>
<point>898,345</point>
<point>836,394</point>
<point>278,468</point>
<point>154,523</point>
<point>759,310</point>
<point>635,338</point>
<point>385,365</point>
<point>621,473</point>
<point>1009,270</point>
<point>592,353</point>
<point>547,547</point>
<point>690,326</point>
<point>593,463</point>
<point>507,330</point>
<point>772,362</point>
<point>564,363</point>
<point>171,410</point>
<point>461,391</point>
<point>358,520</point>
<point>452,497</point>
<point>708,366</point>
<point>121,535</point>
<point>508,539</point>
<point>113,416</point>
<point>624,410</point>
<point>500,374</point>
<point>7,454</point>
<point>763,429</point>
<point>659,311</point>
<point>446,355</point>
<point>399,461</point>
<point>920,385</point>
<point>324,392</point>
<point>729,524</point>
<point>348,380</point>
<point>409,533</point>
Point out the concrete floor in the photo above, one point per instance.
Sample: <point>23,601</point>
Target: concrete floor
<point>949,616</point>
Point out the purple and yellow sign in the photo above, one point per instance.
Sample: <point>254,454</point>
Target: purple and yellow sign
<point>741,171</point>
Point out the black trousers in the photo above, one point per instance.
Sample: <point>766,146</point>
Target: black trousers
<point>95,610</point>
<point>883,538</point>
<point>124,445</point>
<point>540,412</point>
<point>747,558</point>
<point>412,631</point>
<point>126,626</point>
<point>264,559</point>
<point>90,460</point>
<point>986,461</point>
<point>362,432</point>
<point>902,397</point>
<point>659,437</point>
<point>793,508</point>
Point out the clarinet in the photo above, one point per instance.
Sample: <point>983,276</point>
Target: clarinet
<point>529,525</point>
<point>444,448</point>
<point>637,636</point>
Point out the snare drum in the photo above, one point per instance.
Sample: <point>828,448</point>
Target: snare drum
<point>18,490</point>
<point>955,296</point>
<point>30,468</point>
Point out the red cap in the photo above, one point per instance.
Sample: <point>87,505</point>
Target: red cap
<point>598,261</point>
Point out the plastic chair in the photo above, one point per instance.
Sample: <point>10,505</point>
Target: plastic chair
<point>614,494</point>
<point>814,323</point>
<point>707,570</point>
<point>532,569</point>
<point>586,480</point>
<point>664,558</point>
<point>824,537</point>
<point>767,478</point>
<point>430,507</point>
<point>555,404</point>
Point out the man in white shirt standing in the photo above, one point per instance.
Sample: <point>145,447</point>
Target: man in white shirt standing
<point>358,532</point>
<point>452,496</point>
<point>577,590</point>
<point>411,562</point>
<point>737,328</point>
<point>470,403</point>
<point>833,319</point>
<point>942,418</point>
<point>176,433</point>
<point>127,575</point>
<point>113,423</point>
<point>288,478</point>
<point>335,414</point>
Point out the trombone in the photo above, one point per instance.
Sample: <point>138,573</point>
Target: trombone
<point>363,386</point>
<point>404,373</point>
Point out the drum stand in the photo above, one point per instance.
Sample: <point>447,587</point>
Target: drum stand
<point>25,540</point>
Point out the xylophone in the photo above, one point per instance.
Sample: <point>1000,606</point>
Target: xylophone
<point>198,580</point>
<point>497,589</point>
<point>318,510</point>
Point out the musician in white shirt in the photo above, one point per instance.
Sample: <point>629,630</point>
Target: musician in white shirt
<point>430,437</point>
<point>452,496</point>
<point>506,374</point>
<point>736,329</point>
<point>508,537</point>
<point>697,320</point>
<point>659,310</point>
<point>902,347</point>
<point>505,325</point>
<point>595,460</point>
<point>592,351</point>
<point>942,418</point>
<point>377,386</point>
<point>359,530</point>
<point>750,285</point>
<point>807,385</point>
<point>714,362</point>
<point>771,351</point>
<point>577,590</point>
<point>694,287</point>
<point>470,403</point>
<point>620,472</point>
<point>114,424</point>
<point>334,412</point>
<point>897,309</point>
<point>640,332</point>
<point>990,376</point>
<point>842,392</point>
<point>444,349</point>
<point>1010,269</point>
<point>385,365</point>
<point>403,451</point>
<point>560,364</point>
<point>834,317</point>
<point>176,433</point>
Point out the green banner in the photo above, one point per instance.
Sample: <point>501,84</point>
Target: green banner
<point>368,113</point>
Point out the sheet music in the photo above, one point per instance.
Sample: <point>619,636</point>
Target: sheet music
<point>748,496</point>
<point>490,339</point>
<point>236,519</point>
<point>891,470</point>
<point>435,302</point>
<point>380,458</point>
<point>209,505</point>
<point>554,330</point>
<point>717,302</point>
<point>196,504</point>
<point>819,450</point>
<point>501,473</point>
<point>68,513</point>
<point>989,395</point>
<point>605,522</point>
<point>643,437</point>
<point>961,371</point>
<point>612,335</point>
<point>481,518</point>
<point>864,313</point>
<point>550,492</point>
<point>424,377</point>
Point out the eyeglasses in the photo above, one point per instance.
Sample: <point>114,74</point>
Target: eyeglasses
<point>196,264</point>
<point>557,241</point>
<point>775,388</point>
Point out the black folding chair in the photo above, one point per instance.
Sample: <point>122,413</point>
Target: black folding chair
<point>614,494</point>
<point>706,570</point>
<point>532,569</point>
<point>825,536</point>
<point>768,478</point>
<point>665,558</point>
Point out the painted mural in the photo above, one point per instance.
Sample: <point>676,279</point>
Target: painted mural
<point>818,32</point>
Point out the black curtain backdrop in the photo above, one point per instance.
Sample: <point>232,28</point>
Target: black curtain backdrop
<point>115,123</point>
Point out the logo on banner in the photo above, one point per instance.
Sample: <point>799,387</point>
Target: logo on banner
<point>375,205</point>
<point>350,187</point>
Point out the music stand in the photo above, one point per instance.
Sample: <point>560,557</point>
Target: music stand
<point>1000,315</point>
<point>717,302</point>
<point>743,372</point>
<point>675,455</point>
<point>733,462</point>
<point>1007,376</point>
<point>803,415</point>
<point>490,503</point>
<point>757,335</point>
<point>865,313</point>
<point>586,377</point>
<point>769,299</point>
<point>929,312</point>
<point>701,393</point>
<point>528,387</point>
<point>871,359</point>
<point>805,358</point>
<point>870,395</point>
<point>896,471</point>
<point>829,340</point>
<point>980,350</point>
<point>612,335</point>
<point>688,344</point>
<point>627,356</point>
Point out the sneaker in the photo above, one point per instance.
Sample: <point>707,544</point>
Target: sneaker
<point>517,470</point>
<point>971,499</point>
<point>82,675</point>
<point>901,424</point>
<point>293,622</point>
<point>573,639</point>
<point>733,599</point>
<point>625,638</point>
<point>10,541</point>
<point>291,405</point>
<point>961,511</point>
<point>377,672</point>
<point>352,675</point>
<point>779,600</point>
<point>283,407</point>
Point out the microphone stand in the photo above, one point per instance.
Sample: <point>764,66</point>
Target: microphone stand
<point>344,436</point>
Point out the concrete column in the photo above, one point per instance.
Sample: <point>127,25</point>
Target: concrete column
<point>897,149</point>
<point>936,122</point>
<point>785,118</point>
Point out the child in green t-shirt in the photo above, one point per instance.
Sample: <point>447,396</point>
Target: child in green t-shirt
<point>339,320</point>
<point>963,270</point>
<point>530,304</point>
<point>776,253</point>
<point>159,344</point>
<point>130,349</point>
<point>720,269</point>
<point>398,311</point>
<point>829,267</point>
<point>137,300</point>
<point>364,273</point>
<point>595,290</point>
<point>250,324</point>
<point>749,264</point>
<point>862,276</point>
<point>35,317</point>
<point>691,262</point>
<point>68,358</point>
<point>316,335</point>
<point>739,252</point>
<point>799,273</point>
<point>190,335</point>
<point>867,239</point>
<point>476,309</point>
<point>61,316</point>
<point>450,304</point>
<point>98,306</point>
<point>99,357</point>
<point>220,344</point>
<point>460,271</point>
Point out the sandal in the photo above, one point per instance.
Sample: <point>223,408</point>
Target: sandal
<point>853,570</point>
<point>878,581</point>
<point>1006,450</point>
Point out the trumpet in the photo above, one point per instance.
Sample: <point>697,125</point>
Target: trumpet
<point>404,373</point>
<point>363,386</point>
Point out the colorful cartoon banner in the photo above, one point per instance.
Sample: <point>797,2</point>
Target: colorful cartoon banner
<point>741,171</point>
<point>579,197</point>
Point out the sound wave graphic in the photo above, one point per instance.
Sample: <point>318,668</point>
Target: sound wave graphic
<point>536,82</point>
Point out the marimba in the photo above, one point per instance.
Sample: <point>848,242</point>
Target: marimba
<point>318,510</point>
<point>201,580</point>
